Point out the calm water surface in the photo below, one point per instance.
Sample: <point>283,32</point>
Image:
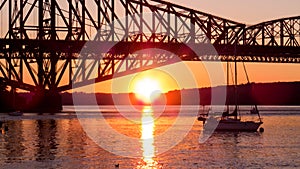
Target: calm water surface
<point>59,141</point>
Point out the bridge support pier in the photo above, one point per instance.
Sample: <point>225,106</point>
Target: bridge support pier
<point>45,101</point>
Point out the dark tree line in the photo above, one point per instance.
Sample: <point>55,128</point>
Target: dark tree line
<point>6,97</point>
<point>281,93</point>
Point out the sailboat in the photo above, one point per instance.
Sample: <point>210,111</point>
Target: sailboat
<point>231,121</point>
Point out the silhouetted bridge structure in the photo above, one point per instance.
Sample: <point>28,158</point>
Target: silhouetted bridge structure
<point>41,40</point>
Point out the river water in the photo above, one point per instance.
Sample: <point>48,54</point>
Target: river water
<point>59,140</point>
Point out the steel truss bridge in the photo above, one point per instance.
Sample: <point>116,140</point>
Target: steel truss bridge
<point>54,45</point>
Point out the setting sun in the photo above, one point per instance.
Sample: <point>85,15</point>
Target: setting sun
<point>147,89</point>
<point>150,86</point>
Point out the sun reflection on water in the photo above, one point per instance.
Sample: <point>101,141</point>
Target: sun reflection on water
<point>147,139</point>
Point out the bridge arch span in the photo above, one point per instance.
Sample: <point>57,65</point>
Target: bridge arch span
<point>125,58</point>
<point>278,32</point>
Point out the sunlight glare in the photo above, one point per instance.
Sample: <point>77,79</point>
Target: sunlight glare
<point>147,89</point>
<point>147,138</point>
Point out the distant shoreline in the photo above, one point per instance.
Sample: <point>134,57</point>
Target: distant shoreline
<point>279,93</point>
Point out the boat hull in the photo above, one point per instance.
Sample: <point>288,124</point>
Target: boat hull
<point>238,126</point>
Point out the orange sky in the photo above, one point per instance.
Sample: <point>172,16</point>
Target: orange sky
<point>248,12</point>
<point>194,74</point>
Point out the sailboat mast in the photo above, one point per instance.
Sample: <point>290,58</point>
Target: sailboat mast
<point>227,86</point>
<point>235,88</point>
<point>235,81</point>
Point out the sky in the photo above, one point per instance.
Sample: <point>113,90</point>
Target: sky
<point>246,12</point>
